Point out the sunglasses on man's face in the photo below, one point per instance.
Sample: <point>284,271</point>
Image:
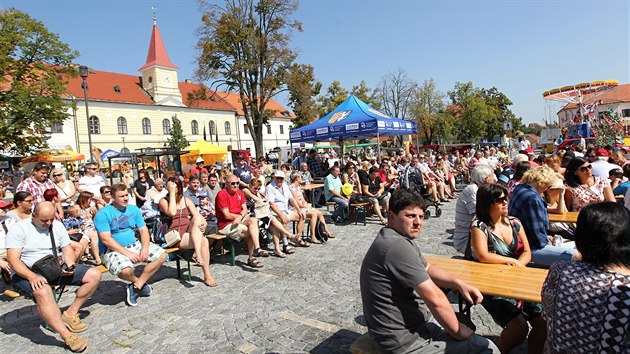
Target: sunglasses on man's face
<point>234,183</point>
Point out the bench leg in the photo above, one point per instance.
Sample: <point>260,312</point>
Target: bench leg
<point>179,269</point>
<point>233,253</point>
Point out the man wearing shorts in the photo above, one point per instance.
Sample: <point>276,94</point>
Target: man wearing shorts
<point>234,220</point>
<point>27,242</point>
<point>115,224</point>
<point>404,307</point>
<point>279,196</point>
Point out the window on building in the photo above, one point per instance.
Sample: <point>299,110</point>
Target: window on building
<point>166,126</point>
<point>625,112</point>
<point>213,128</point>
<point>268,128</point>
<point>146,126</point>
<point>245,128</point>
<point>95,126</point>
<point>281,129</point>
<point>194,127</point>
<point>122,125</point>
<point>228,128</point>
<point>56,128</point>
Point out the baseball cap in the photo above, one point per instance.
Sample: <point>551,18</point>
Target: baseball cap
<point>41,166</point>
<point>4,204</point>
<point>199,160</point>
<point>602,152</point>
<point>203,195</point>
<point>278,174</point>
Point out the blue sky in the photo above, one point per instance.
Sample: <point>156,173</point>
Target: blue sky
<point>522,47</point>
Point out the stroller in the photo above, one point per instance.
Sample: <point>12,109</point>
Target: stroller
<point>412,180</point>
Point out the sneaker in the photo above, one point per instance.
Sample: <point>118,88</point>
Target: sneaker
<point>76,343</point>
<point>132,295</point>
<point>146,290</point>
<point>73,323</point>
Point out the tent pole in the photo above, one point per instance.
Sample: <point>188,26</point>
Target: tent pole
<point>290,162</point>
<point>378,141</point>
<point>417,144</point>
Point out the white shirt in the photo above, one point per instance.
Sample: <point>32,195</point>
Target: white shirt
<point>602,167</point>
<point>280,196</point>
<point>91,184</point>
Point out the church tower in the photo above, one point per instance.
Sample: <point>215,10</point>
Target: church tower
<point>159,74</point>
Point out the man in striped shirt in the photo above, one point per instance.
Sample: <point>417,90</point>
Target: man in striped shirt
<point>37,183</point>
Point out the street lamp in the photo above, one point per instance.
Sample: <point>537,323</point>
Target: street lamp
<point>83,72</point>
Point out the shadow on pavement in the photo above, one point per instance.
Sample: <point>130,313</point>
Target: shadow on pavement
<point>339,342</point>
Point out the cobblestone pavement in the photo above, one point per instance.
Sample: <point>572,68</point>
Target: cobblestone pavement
<point>307,302</point>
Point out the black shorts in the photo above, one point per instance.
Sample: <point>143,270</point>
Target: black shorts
<point>22,286</point>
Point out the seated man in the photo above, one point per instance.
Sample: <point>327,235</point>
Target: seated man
<point>30,240</point>
<point>279,195</point>
<point>530,208</point>
<point>394,273</point>
<point>192,192</point>
<point>332,192</point>
<point>234,221</point>
<point>115,225</point>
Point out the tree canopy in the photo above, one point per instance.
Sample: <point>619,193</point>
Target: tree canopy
<point>177,140</point>
<point>244,48</point>
<point>34,69</point>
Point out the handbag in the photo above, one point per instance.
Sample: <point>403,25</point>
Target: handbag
<point>173,237</point>
<point>49,266</point>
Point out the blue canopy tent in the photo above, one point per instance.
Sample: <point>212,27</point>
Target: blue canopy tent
<point>352,120</point>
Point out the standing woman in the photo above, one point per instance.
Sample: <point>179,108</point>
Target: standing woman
<point>585,304</point>
<point>65,188</point>
<point>180,213</point>
<point>22,206</point>
<point>141,186</point>
<point>499,239</point>
<point>584,188</point>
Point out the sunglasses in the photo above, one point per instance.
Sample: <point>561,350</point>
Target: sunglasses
<point>234,183</point>
<point>586,168</point>
<point>501,199</point>
<point>58,175</point>
<point>107,192</point>
<point>91,168</point>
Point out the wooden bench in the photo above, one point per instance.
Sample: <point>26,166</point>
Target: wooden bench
<point>219,237</point>
<point>570,217</point>
<point>362,208</point>
<point>520,283</point>
<point>329,204</point>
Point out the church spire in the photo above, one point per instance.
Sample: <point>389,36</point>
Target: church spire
<point>157,54</point>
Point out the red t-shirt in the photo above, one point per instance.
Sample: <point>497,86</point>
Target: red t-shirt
<point>233,202</point>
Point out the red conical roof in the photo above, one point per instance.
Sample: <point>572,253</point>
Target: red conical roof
<point>157,54</point>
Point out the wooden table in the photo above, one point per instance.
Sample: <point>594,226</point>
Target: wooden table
<point>570,216</point>
<point>311,187</point>
<point>519,283</point>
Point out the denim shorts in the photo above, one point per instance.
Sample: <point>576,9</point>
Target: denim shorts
<point>22,285</point>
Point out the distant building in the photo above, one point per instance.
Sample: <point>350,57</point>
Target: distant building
<point>136,111</point>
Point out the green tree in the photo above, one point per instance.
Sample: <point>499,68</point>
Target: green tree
<point>425,108</point>
<point>244,48</point>
<point>335,95</point>
<point>177,140</point>
<point>303,88</point>
<point>34,69</point>
<point>365,94</point>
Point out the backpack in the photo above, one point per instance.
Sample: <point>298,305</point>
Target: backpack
<point>158,229</point>
<point>320,231</point>
<point>412,180</point>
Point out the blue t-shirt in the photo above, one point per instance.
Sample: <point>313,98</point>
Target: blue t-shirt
<point>622,188</point>
<point>244,174</point>
<point>120,224</point>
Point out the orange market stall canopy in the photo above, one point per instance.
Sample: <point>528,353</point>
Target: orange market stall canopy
<point>208,152</point>
<point>54,156</point>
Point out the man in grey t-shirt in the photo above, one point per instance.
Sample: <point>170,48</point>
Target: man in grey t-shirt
<point>393,272</point>
<point>27,242</point>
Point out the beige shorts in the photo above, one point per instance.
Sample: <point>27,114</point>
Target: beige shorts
<point>233,231</point>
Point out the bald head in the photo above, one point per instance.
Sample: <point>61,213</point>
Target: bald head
<point>44,214</point>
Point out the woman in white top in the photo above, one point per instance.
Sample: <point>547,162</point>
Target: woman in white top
<point>314,214</point>
<point>65,188</point>
<point>22,206</point>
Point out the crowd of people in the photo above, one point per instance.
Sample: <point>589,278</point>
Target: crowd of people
<point>501,217</point>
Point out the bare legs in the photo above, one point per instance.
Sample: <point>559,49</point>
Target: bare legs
<point>194,239</point>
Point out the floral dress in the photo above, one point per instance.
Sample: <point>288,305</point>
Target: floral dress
<point>584,195</point>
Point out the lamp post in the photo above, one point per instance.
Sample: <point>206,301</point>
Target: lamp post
<point>83,72</point>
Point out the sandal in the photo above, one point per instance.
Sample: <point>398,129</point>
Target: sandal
<point>316,241</point>
<point>279,254</point>
<point>288,250</point>
<point>259,252</point>
<point>254,263</point>
<point>330,234</point>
